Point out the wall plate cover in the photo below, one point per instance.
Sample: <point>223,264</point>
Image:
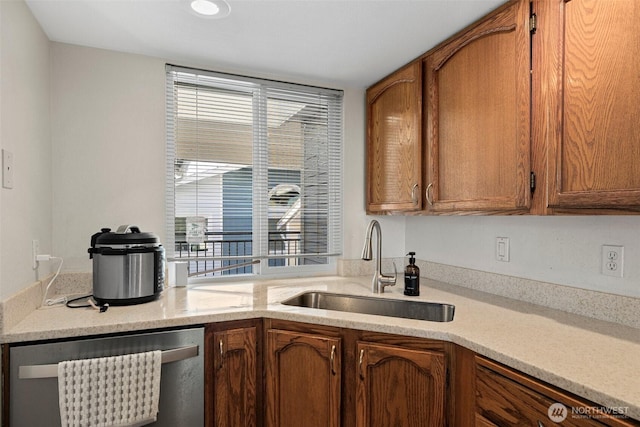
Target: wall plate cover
<point>7,169</point>
<point>502,249</point>
<point>613,260</point>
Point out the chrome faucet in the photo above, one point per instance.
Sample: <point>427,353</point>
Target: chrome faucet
<point>379,279</point>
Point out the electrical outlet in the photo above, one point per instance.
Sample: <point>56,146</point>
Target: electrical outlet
<point>502,249</point>
<point>35,250</point>
<point>613,260</point>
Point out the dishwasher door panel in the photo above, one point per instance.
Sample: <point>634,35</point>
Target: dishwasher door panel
<point>34,402</point>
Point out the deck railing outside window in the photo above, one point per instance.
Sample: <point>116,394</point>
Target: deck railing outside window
<point>235,244</point>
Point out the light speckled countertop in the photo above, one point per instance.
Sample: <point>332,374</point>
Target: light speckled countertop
<point>597,360</point>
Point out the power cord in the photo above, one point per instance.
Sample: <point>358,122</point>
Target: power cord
<point>45,301</point>
<point>88,302</point>
<point>64,300</point>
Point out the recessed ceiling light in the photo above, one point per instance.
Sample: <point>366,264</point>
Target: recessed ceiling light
<point>210,8</point>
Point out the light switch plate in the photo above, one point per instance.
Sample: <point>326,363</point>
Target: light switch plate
<point>7,169</point>
<point>502,249</point>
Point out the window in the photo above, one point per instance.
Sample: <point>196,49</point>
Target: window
<point>254,175</point>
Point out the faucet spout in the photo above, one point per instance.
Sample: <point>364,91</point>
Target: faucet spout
<point>379,279</point>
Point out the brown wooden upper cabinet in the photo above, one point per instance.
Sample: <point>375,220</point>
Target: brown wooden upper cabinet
<point>532,109</point>
<point>394,142</point>
<point>467,102</point>
<point>589,85</point>
<point>477,109</point>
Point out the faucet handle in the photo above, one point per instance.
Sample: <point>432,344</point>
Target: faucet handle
<point>395,272</point>
<point>388,280</point>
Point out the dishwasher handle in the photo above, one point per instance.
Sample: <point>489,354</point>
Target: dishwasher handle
<point>51,371</point>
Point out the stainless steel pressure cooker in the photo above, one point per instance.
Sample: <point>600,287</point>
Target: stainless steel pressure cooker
<point>128,266</point>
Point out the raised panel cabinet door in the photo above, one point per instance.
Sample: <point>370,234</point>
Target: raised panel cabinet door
<point>477,91</point>
<point>235,390</point>
<point>506,403</point>
<point>303,380</point>
<point>394,142</point>
<point>399,387</point>
<point>592,56</point>
<point>505,397</point>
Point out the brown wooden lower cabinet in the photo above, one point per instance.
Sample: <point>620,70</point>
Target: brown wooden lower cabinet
<point>505,397</point>
<point>233,368</point>
<point>303,379</point>
<point>323,376</point>
<point>397,386</point>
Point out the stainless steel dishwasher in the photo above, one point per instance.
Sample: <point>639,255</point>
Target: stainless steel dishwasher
<point>33,386</point>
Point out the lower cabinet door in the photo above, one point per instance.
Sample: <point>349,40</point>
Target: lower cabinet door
<point>235,378</point>
<point>303,379</point>
<point>397,386</point>
<point>507,398</point>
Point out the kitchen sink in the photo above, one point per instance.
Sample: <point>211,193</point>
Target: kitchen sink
<point>420,310</point>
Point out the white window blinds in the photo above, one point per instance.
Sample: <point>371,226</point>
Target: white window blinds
<point>254,174</point>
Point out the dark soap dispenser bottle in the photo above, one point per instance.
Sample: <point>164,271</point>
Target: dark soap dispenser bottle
<point>412,277</point>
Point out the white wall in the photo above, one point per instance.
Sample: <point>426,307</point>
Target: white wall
<point>108,139</point>
<point>25,210</point>
<point>563,249</point>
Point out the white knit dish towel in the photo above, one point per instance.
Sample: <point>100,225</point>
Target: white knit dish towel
<point>110,391</point>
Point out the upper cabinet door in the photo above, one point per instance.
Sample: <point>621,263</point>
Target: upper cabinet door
<point>394,142</point>
<point>478,111</point>
<point>591,57</point>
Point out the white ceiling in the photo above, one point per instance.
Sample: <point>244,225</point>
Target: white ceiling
<point>343,43</point>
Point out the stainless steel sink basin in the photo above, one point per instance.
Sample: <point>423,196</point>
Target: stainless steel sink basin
<point>420,310</point>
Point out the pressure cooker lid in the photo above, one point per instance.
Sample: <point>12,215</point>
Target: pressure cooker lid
<point>125,235</point>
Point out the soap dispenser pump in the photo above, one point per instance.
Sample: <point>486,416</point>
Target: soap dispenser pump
<point>412,277</point>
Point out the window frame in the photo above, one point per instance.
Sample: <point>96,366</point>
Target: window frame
<point>260,180</point>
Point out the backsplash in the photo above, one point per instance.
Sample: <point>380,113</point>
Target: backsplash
<point>598,305</point>
<point>21,304</point>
